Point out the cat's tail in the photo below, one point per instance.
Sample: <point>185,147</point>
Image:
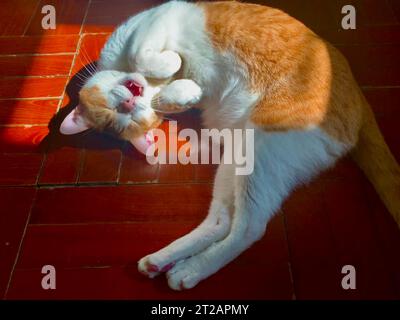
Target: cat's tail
<point>373,156</point>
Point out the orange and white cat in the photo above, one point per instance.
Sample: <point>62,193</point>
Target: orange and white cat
<point>258,68</point>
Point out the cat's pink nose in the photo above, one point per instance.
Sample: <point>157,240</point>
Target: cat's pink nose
<point>127,105</point>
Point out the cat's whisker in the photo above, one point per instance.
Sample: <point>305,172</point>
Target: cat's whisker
<point>89,63</point>
<point>86,68</point>
<point>80,77</point>
<point>85,55</point>
<point>83,74</point>
<point>88,71</point>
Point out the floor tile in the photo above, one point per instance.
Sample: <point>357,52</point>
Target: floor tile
<point>21,139</point>
<point>383,65</point>
<point>205,172</point>
<point>98,244</point>
<point>268,280</point>
<point>353,231</point>
<point>100,166</point>
<point>70,15</point>
<point>316,273</point>
<point>137,203</point>
<point>377,12</point>
<point>387,235</point>
<point>27,112</point>
<point>35,65</point>
<point>388,127</point>
<point>15,16</point>
<point>177,173</point>
<point>104,16</point>
<point>384,101</point>
<point>135,168</point>
<point>125,282</point>
<point>38,44</point>
<point>16,204</point>
<point>173,170</point>
<point>32,87</point>
<point>61,166</point>
<point>395,5</point>
<point>366,35</point>
<point>19,169</point>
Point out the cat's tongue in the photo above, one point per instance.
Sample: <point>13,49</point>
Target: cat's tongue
<point>134,88</point>
<point>143,142</point>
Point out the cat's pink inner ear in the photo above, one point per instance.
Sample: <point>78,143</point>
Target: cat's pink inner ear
<point>73,123</point>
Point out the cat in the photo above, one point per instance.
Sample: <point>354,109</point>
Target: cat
<point>244,66</point>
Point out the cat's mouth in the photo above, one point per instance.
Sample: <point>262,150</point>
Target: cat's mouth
<point>129,104</point>
<point>135,88</point>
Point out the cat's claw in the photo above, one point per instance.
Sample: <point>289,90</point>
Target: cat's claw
<point>149,267</point>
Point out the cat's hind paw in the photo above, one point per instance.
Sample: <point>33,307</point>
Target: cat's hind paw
<point>146,267</point>
<point>151,268</point>
<point>183,276</point>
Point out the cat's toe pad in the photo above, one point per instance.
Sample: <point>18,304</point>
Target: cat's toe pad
<point>182,277</point>
<point>150,267</point>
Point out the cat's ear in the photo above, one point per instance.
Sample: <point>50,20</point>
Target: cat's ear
<point>73,123</point>
<point>143,142</point>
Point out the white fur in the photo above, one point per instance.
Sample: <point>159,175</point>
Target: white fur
<point>182,92</point>
<point>241,205</point>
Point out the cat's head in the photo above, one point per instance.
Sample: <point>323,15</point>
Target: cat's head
<point>114,101</point>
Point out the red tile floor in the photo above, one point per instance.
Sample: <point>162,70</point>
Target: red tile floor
<point>92,207</point>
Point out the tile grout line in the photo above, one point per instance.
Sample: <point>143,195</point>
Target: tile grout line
<point>82,153</point>
<point>20,244</point>
<point>32,98</point>
<point>294,297</point>
<point>121,159</point>
<point>114,184</point>
<point>85,16</point>
<point>30,125</point>
<point>52,76</point>
<point>31,18</point>
<point>82,158</point>
<point>77,49</point>
<point>36,54</point>
<point>39,175</point>
<point>52,35</point>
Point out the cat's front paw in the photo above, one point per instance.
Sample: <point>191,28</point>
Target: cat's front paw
<point>158,65</point>
<point>182,92</point>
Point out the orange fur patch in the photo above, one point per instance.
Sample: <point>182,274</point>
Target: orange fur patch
<point>93,107</point>
<point>303,82</point>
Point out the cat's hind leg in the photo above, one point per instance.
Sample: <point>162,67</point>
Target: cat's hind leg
<point>214,228</point>
<point>282,161</point>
